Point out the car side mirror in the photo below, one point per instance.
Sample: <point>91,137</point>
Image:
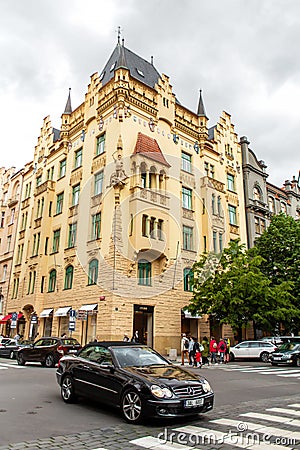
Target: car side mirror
<point>238,346</point>
<point>107,365</point>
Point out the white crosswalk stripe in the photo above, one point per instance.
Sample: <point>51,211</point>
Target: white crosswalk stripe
<point>284,372</point>
<point>272,418</point>
<point>292,412</point>
<point>8,366</point>
<point>155,443</point>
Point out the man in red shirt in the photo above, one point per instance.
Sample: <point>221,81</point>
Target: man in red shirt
<point>213,349</point>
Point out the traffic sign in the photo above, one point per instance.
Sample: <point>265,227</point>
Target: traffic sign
<point>14,316</point>
<point>72,326</point>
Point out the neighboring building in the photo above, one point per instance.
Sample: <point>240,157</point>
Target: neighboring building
<point>10,194</point>
<point>263,199</point>
<point>118,204</point>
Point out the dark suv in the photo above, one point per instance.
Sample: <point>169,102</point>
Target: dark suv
<point>47,350</point>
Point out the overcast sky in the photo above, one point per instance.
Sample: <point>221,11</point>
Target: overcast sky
<point>243,54</point>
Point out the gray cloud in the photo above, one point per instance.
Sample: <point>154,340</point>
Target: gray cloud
<point>243,54</point>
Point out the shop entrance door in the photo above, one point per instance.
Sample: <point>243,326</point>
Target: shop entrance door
<point>143,323</point>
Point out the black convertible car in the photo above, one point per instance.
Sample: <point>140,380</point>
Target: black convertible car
<point>134,378</point>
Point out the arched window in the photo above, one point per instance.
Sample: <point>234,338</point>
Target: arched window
<point>52,281</point>
<point>213,203</point>
<point>93,272</point>
<point>1,304</point>
<point>256,193</point>
<point>69,277</point>
<point>271,204</point>
<point>219,206</point>
<point>4,273</point>
<point>187,274</point>
<point>144,273</point>
<point>283,207</point>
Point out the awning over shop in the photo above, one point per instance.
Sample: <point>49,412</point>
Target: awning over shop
<point>89,307</point>
<point>46,312</point>
<point>188,315</point>
<point>61,312</point>
<point>9,316</point>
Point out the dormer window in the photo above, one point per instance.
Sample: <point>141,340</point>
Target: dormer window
<point>140,72</point>
<point>102,76</point>
<point>112,67</point>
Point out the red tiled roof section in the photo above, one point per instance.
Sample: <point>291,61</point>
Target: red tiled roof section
<point>150,148</point>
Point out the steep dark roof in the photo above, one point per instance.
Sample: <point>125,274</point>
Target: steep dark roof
<point>211,133</point>
<point>201,108</point>
<point>68,108</point>
<point>56,134</point>
<point>148,146</point>
<point>138,67</point>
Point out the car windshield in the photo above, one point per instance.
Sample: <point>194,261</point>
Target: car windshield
<point>138,357</point>
<point>289,346</point>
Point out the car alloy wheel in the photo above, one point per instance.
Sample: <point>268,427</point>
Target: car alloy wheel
<point>21,360</point>
<point>298,362</point>
<point>264,356</point>
<point>11,354</point>
<point>67,390</point>
<point>49,361</point>
<point>231,356</point>
<point>132,406</point>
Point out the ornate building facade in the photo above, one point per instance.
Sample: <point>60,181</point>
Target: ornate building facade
<point>118,204</point>
<point>263,199</point>
<point>10,195</point>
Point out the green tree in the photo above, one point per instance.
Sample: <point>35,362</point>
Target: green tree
<point>279,246</point>
<point>234,290</point>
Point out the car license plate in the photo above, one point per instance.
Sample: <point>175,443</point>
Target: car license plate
<point>73,351</point>
<point>194,402</point>
<point>276,358</point>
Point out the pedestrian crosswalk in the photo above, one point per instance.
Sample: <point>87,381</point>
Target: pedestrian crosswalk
<point>283,371</point>
<point>6,366</point>
<point>251,430</point>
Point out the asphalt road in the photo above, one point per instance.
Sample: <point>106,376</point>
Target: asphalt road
<point>31,407</point>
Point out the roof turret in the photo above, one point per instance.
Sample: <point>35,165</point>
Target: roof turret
<point>68,108</point>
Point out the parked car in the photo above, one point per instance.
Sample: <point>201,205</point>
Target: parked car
<point>8,348</point>
<point>134,378</point>
<point>47,350</point>
<point>252,349</point>
<point>287,353</point>
<point>276,340</point>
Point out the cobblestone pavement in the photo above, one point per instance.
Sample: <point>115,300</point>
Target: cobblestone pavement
<point>257,425</point>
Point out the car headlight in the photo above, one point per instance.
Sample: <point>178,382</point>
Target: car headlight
<point>159,392</point>
<point>206,386</point>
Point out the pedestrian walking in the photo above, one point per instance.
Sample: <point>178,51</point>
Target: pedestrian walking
<point>197,352</point>
<point>191,351</point>
<point>126,338</point>
<point>221,350</point>
<point>205,351</point>
<point>227,353</point>
<point>213,349</point>
<point>184,348</point>
<point>135,337</point>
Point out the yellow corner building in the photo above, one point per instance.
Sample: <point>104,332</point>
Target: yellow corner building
<point>116,207</point>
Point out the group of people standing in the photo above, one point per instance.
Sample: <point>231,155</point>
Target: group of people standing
<point>204,352</point>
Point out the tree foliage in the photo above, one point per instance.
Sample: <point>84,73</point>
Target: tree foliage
<point>235,290</point>
<point>280,248</point>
